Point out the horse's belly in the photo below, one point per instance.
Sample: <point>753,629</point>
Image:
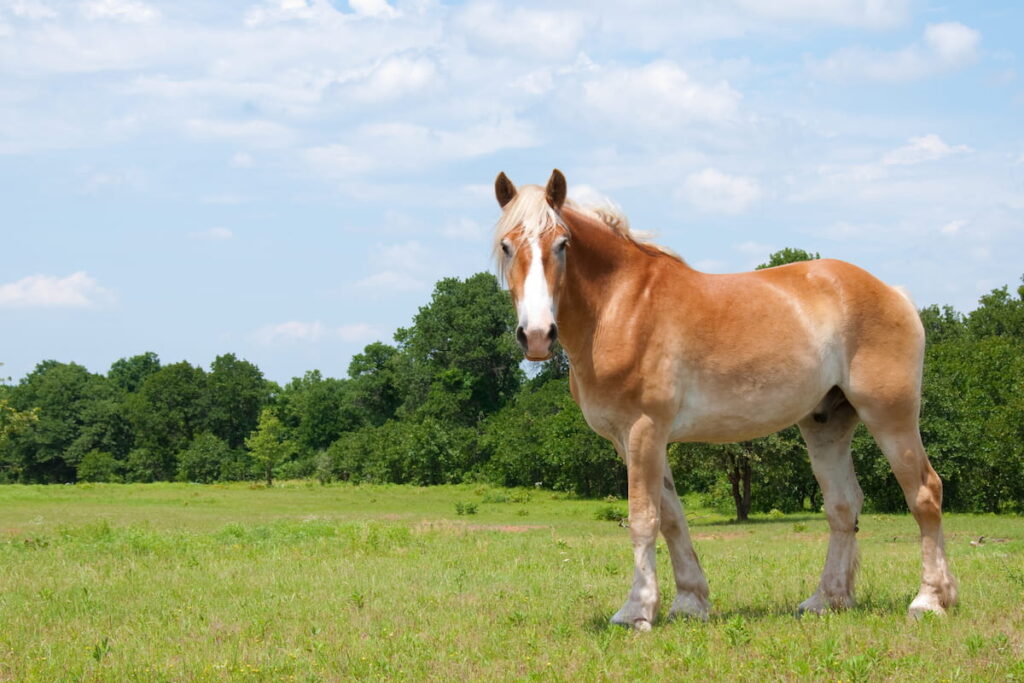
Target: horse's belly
<point>726,414</point>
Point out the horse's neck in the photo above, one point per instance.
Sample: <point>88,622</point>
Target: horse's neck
<point>601,267</point>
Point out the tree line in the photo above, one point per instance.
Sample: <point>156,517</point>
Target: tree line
<point>449,402</point>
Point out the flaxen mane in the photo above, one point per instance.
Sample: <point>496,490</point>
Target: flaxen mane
<point>530,209</point>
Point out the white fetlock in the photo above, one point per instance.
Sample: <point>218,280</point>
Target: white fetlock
<point>925,603</point>
<point>635,615</point>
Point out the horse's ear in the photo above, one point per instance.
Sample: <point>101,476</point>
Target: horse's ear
<point>556,190</point>
<point>504,190</point>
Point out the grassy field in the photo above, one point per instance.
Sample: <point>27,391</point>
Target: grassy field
<point>306,582</point>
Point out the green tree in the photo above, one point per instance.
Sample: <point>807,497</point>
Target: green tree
<point>130,373</point>
<point>942,324</point>
<point>206,460</point>
<point>541,437</point>
<point>236,393</point>
<point>12,422</point>
<point>268,445</point>
<point>998,314</point>
<point>788,255</point>
<point>99,466</point>
<point>77,412</point>
<point>460,361</point>
<point>169,409</point>
<point>316,410</point>
<point>374,383</point>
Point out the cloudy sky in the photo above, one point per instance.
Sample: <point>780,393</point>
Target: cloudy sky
<point>287,179</point>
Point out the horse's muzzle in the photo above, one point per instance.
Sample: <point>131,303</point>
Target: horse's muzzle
<point>537,342</point>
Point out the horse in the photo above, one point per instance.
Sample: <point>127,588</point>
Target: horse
<point>660,352</point>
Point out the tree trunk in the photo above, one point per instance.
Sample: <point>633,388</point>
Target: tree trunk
<point>270,477</point>
<point>739,476</point>
<point>747,472</point>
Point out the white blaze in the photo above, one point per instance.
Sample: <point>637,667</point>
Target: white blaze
<point>536,308</point>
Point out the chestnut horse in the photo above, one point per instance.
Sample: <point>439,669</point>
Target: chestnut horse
<point>660,353</point>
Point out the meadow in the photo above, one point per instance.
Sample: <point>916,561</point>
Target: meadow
<point>111,582</point>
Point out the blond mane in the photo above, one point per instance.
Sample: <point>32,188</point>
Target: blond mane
<point>530,209</point>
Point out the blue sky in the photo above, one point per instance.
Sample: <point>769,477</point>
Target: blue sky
<point>287,179</point>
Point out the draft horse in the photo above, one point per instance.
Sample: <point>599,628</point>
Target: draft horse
<point>660,353</point>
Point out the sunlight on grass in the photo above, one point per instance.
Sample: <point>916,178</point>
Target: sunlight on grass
<point>222,582</point>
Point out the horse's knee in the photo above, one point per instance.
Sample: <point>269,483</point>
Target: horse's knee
<point>927,505</point>
<point>842,514</point>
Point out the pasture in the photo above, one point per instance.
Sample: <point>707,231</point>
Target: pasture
<point>308,582</point>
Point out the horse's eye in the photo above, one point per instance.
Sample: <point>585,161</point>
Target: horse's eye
<point>560,245</point>
<point>506,248</point>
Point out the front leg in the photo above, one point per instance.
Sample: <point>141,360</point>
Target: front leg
<point>644,456</point>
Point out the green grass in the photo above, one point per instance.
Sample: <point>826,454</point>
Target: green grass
<point>303,582</point>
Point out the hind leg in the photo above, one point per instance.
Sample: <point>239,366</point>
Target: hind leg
<point>828,444</point>
<point>691,585</point>
<point>900,440</point>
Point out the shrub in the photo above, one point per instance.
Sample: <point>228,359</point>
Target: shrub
<point>99,466</point>
<point>465,508</point>
<point>204,459</point>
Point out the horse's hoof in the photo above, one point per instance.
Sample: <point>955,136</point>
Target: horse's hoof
<point>689,606</point>
<point>925,604</point>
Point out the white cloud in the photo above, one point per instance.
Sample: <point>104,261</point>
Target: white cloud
<point>31,9</point>
<point>217,234</point>
<point>875,14</point>
<point>339,161</point>
<point>255,132</point>
<point>752,248</point>
<point>359,332</point>
<point>78,290</point>
<point>275,11</point>
<point>128,11</point>
<point>392,146</point>
<point>295,331</point>
<point>373,8</point>
<point>528,32</point>
<point>404,267</point>
<point>945,47</point>
<point>396,77</point>
<point>291,331</point>
<point>391,280</point>
<point>952,227</point>
<point>659,95</point>
<point>241,160</point>
<point>716,192</point>
<point>591,197</point>
<point>464,229</point>
<point>952,42</point>
<point>921,149</point>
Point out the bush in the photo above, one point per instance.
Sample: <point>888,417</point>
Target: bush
<point>465,508</point>
<point>99,466</point>
<point>421,453</point>
<point>611,513</point>
<point>203,461</point>
<point>542,436</point>
<point>148,465</point>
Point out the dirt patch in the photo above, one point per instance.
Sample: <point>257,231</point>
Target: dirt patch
<point>722,536</point>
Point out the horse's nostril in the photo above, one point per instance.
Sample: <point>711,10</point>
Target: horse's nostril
<point>521,336</point>
<point>553,333</point>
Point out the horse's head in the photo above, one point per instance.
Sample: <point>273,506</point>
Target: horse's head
<point>530,245</point>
